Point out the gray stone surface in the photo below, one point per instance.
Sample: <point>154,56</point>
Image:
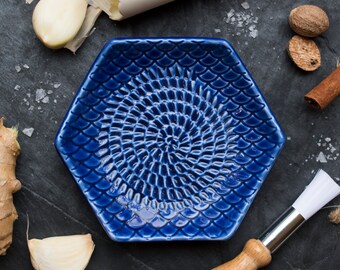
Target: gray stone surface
<point>52,200</point>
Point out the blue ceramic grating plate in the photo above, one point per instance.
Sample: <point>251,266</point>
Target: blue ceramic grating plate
<point>169,139</point>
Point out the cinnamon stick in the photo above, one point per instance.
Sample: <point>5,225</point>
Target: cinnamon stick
<point>325,92</point>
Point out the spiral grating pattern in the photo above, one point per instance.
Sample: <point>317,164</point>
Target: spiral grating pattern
<point>169,139</point>
<point>175,140</point>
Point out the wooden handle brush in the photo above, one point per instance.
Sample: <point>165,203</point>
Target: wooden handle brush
<point>257,253</point>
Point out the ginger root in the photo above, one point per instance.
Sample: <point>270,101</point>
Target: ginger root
<point>334,216</point>
<point>9,151</point>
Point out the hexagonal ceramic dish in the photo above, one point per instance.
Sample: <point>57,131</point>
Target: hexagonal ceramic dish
<point>169,139</point>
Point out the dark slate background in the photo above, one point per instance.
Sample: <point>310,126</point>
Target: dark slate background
<point>51,198</point>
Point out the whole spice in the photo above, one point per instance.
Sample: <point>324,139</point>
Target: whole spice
<point>304,53</point>
<point>325,92</point>
<point>9,151</point>
<point>56,22</point>
<point>308,20</point>
<point>61,252</point>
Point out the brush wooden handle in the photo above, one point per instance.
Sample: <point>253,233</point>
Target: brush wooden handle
<point>254,256</point>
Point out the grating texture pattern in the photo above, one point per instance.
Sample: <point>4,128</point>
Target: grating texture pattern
<point>169,139</point>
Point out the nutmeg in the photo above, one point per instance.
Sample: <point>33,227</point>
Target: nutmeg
<point>308,20</point>
<point>304,52</point>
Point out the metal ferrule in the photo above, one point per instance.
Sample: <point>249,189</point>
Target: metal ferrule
<point>282,229</point>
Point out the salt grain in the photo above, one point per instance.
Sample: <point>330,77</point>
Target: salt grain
<point>328,139</point>
<point>230,15</point>
<point>217,30</point>
<point>56,85</point>
<point>28,131</point>
<point>17,87</point>
<point>321,158</point>
<point>26,66</point>
<point>29,2</point>
<point>45,100</point>
<point>40,94</point>
<point>17,68</point>
<point>245,5</point>
<point>253,31</point>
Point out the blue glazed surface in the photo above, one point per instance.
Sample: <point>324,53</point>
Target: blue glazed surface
<point>169,139</point>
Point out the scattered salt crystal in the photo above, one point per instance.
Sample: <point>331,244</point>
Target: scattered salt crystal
<point>28,131</point>
<point>26,66</point>
<point>31,108</point>
<point>55,101</point>
<point>56,85</point>
<point>328,139</point>
<point>29,2</point>
<point>40,94</point>
<point>39,108</point>
<point>17,87</point>
<point>337,178</point>
<point>50,92</point>
<point>245,5</point>
<point>253,31</point>
<point>28,94</point>
<point>332,149</point>
<point>17,68</point>
<point>321,158</point>
<point>45,100</point>
<point>217,30</point>
<point>289,138</point>
<point>230,15</point>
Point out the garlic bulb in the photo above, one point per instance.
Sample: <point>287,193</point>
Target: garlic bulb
<point>61,252</point>
<point>56,22</point>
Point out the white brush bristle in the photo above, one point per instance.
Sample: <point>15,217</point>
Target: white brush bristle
<point>319,192</point>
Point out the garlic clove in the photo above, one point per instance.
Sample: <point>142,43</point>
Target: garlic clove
<point>61,252</point>
<point>56,22</point>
